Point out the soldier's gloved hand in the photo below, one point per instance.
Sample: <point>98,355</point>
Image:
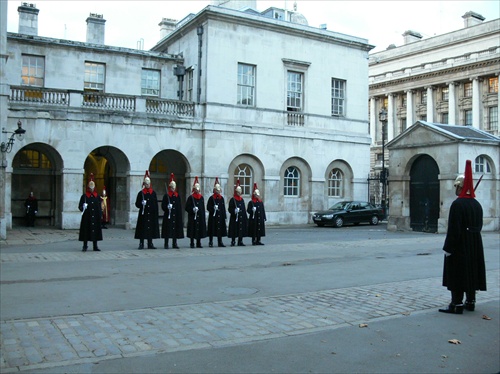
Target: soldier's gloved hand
<point>254,209</point>
<point>36,211</point>
<point>447,254</point>
<point>144,202</point>
<point>85,205</point>
<point>195,209</point>
<point>216,207</point>
<point>237,210</point>
<point>169,206</point>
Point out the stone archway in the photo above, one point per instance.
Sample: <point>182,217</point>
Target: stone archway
<point>37,168</point>
<point>424,194</point>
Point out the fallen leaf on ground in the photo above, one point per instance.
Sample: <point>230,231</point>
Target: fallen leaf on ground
<point>406,313</point>
<point>454,341</point>
<point>363,325</point>
<point>486,317</point>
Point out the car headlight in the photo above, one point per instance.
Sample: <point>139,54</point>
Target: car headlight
<point>328,216</point>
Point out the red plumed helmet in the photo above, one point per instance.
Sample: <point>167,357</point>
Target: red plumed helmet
<point>147,179</point>
<point>468,188</point>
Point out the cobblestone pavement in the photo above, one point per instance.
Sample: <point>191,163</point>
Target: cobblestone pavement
<point>47,342</point>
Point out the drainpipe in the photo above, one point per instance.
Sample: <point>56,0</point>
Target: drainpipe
<point>199,32</point>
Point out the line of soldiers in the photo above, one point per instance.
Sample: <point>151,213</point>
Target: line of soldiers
<point>240,224</point>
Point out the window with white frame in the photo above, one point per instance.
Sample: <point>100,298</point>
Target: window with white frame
<point>335,183</point>
<point>493,85</point>
<point>33,70</point>
<point>243,172</point>
<point>468,89</point>
<point>481,165</point>
<point>94,76</point>
<point>291,181</point>
<point>189,84</point>
<point>246,84</point>
<point>445,94</point>
<point>150,82</point>
<point>423,97</point>
<point>338,97</point>
<point>493,118</point>
<point>294,94</point>
<point>468,117</point>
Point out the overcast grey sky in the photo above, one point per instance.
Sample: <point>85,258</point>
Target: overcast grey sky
<point>381,22</point>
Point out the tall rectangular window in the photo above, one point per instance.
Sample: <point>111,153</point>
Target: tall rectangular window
<point>444,117</point>
<point>291,181</point>
<point>150,82</point>
<point>493,118</point>
<point>294,94</point>
<point>468,89</point>
<point>468,117</point>
<point>423,98</point>
<point>94,76</point>
<point>445,94</point>
<point>33,70</point>
<point>493,85</point>
<point>189,84</point>
<point>246,85</point>
<point>403,100</point>
<point>338,97</point>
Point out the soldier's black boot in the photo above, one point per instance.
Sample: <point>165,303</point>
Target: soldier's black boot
<point>166,244</point>
<point>141,244</point>
<point>210,242</point>
<point>198,244</point>
<point>453,309</point>
<point>174,244</point>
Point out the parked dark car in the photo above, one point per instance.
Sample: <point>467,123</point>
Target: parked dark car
<point>344,212</point>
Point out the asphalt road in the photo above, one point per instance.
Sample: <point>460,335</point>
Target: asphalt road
<point>55,285</point>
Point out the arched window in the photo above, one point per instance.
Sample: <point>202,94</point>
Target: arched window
<point>243,172</point>
<point>291,181</point>
<point>335,186</point>
<point>482,165</point>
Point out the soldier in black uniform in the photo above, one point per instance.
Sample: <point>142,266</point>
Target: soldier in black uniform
<point>195,207</point>
<point>147,221</point>
<point>216,216</point>
<point>464,268</point>
<point>90,224</point>
<point>238,217</point>
<point>31,205</point>
<point>173,226</point>
<point>257,217</point>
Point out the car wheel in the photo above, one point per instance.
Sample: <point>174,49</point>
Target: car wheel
<point>339,222</point>
<point>320,224</point>
<point>374,220</point>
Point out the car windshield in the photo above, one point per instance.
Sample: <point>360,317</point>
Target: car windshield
<point>340,205</point>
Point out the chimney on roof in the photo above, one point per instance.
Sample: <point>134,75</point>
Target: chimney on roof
<point>28,19</point>
<point>95,28</point>
<point>472,19</point>
<point>167,25</point>
<point>411,36</point>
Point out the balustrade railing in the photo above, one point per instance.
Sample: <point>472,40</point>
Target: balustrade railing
<point>39,95</point>
<point>295,119</point>
<point>108,101</point>
<point>172,107</point>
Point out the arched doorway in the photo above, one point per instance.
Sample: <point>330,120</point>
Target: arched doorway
<point>110,168</point>
<point>36,168</point>
<point>424,194</point>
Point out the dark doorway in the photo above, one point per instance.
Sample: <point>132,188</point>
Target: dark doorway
<point>424,194</point>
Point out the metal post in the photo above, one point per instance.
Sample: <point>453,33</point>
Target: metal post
<point>383,119</point>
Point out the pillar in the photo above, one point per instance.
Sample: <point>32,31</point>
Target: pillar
<point>476,104</point>
<point>452,104</point>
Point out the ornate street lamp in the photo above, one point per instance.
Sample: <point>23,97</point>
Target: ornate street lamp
<point>19,133</point>
<point>382,116</point>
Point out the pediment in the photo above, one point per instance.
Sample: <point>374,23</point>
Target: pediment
<point>418,135</point>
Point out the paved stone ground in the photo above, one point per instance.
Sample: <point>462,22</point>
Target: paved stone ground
<point>30,344</point>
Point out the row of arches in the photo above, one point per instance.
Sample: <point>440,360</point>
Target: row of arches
<point>39,168</point>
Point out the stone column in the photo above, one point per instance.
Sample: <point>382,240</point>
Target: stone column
<point>391,123</point>
<point>373,119</point>
<point>5,218</point>
<point>452,104</point>
<point>72,182</point>
<point>476,104</point>
<point>410,114</point>
<point>430,104</point>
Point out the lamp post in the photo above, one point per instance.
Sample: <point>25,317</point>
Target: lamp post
<point>7,147</point>
<point>382,116</point>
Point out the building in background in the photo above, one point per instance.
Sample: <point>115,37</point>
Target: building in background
<point>227,93</point>
<point>447,79</point>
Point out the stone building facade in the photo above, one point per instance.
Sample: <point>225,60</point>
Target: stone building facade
<point>447,79</point>
<point>226,93</point>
